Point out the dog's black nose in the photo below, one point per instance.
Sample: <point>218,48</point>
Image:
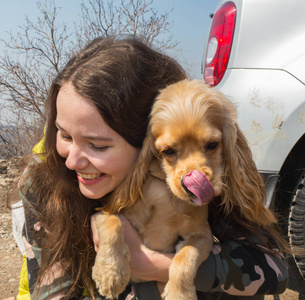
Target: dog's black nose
<point>183,185</point>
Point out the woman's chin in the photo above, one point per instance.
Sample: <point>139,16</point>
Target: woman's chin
<point>92,193</point>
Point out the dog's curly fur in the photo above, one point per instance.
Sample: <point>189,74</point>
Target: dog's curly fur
<point>192,127</point>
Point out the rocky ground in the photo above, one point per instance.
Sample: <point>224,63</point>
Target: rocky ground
<point>11,258</point>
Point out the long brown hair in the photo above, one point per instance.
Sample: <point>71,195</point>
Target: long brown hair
<point>122,77</point>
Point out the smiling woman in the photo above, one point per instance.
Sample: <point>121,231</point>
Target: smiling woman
<point>97,114</point>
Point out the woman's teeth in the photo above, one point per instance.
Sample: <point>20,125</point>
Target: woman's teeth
<point>90,176</point>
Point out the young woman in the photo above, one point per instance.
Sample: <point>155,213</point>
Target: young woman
<point>97,114</point>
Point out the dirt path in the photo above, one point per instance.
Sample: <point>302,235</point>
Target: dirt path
<point>11,259</point>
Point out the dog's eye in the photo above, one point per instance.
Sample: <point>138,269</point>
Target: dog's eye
<point>168,152</point>
<point>212,146</point>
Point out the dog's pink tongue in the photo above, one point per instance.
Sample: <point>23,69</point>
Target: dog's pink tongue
<point>200,186</point>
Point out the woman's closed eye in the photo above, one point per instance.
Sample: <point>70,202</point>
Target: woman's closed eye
<point>64,136</point>
<point>99,148</point>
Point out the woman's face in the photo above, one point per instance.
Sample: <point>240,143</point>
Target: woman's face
<point>100,157</point>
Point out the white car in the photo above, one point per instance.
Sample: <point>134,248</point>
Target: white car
<point>255,54</point>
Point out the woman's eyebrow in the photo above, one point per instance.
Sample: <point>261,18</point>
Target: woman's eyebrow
<point>98,138</point>
<point>89,137</point>
<point>59,127</point>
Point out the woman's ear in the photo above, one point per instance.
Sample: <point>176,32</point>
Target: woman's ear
<point>130,190</point>
<point>245,187</point>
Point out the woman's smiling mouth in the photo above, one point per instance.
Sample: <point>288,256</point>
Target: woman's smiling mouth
<point>89,178</point>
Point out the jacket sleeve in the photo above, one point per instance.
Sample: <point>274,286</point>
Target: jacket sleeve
<point>233,269</point>
<point>237,268</point>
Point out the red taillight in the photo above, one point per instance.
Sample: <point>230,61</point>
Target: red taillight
<point>219,43</point>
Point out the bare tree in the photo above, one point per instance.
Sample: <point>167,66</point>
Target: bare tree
<point>32,59</point>
<point>37,53</point>
<point>133,17</point>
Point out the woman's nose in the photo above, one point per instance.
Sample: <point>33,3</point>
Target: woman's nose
<point>76,158</point>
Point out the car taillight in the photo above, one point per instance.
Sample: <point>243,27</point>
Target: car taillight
<point>219,43</point>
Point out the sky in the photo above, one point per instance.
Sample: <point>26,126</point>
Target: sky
<point>190,18</point>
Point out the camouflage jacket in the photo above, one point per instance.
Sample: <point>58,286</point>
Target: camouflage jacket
<point>233,269</point>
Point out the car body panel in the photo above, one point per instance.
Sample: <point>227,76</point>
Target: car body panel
<point>269,116</point>
<point>265,77</point>
<point>266,31</point>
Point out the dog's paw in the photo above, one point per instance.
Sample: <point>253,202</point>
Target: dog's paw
<point>110,282</point>
<point>173,292</point>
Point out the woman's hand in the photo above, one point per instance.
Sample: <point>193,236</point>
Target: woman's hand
<point>145,264</point>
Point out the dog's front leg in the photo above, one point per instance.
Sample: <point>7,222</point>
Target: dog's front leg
<point>184,266</point>
<point>111,271</point>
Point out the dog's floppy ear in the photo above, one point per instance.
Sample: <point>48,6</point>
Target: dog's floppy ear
<point>129,191</point>
<point>244,185</point>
